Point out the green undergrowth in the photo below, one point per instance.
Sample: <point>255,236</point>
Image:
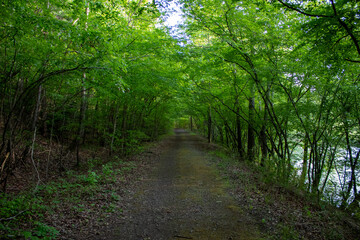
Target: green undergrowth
<point>227,158</point>
<point>26,215</point>
<point>22,215</point>
<point>279,206</point>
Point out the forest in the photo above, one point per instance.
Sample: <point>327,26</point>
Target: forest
<point>276,82</point>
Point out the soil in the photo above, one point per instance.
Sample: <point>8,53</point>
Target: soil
<point>182,197</point>
<point>178,189</point>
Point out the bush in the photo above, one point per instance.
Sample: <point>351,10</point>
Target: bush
<point>18,218</point>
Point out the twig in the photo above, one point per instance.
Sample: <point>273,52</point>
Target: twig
<point>178,236</point>
<point>13,217</point>
<point>33,162</point>
<point>3,164</point>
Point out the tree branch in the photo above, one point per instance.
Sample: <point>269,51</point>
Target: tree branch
<point>13,217</point>
<point>302,12</point>
<point>354,61</point>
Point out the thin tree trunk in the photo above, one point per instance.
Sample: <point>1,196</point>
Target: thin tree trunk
<point>123,128</point>
<point>156,123</point>
<point>353,162</point>
<point>221,134</point>
<point>33,161</point>
<point>80,134</point>
<point>50,144</point>
<point>305,162</point>
<point>34,128</point>
<point>251,135</point>
<point>37,108</point>
<point>114,130</point>
<point>239,135</point>
<point>263,145</point>
<point>44,113</point>
<point>191,123</point>
<point>209,124</point>
<point>83,101</point>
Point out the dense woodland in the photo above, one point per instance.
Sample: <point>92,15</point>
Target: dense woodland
<point>278,82</point>
<point>82,72</point>
<point>275,81</point>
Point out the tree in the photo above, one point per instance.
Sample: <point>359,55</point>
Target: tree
<point>291,81</point>
<point>72,66</point>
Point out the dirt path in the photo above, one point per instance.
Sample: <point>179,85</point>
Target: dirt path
<point>183,198</point>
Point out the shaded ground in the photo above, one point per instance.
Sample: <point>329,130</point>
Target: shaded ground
<point>179,188</point>
<point>184,188</point>
<point>183,198</point>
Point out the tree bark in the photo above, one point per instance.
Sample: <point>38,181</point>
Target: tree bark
<point>251,135</point>
<point>263,136</point>
<point>263,144</point>
<point>240,148</point>
<point>191,123</point>
<point>123,128</point>
<point>305,162</point>
<point>81,126</point>
<point>114,129</point>
<point>209,125</point>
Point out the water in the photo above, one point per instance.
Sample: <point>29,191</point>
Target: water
<point>339,176</point>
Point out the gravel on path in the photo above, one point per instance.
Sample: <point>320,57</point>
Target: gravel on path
<point>184,197</point>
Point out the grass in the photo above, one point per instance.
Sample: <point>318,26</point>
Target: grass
<point>283,210</point>
<point>26,215</point>
<point>22,216</point>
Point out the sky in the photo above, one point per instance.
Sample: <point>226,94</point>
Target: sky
<point>175,16</point>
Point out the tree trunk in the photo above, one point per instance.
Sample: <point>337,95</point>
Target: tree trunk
<point>81,126</point>
<point>83,101</point>
<point>221,133</point>
<point>263,144</point>
<point>50,144</point>
<point>263,136</point>
<point>44,114</point>
<point>34,128</point>
<point>305,162</point>
<point>251,135</point>
<point>240,148</point>
<point>209,124</point>
<point>37,108</point>
<point>114,130</point>
<point>123,128</point>
<point>191,123</point>
<point>353,162</point>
